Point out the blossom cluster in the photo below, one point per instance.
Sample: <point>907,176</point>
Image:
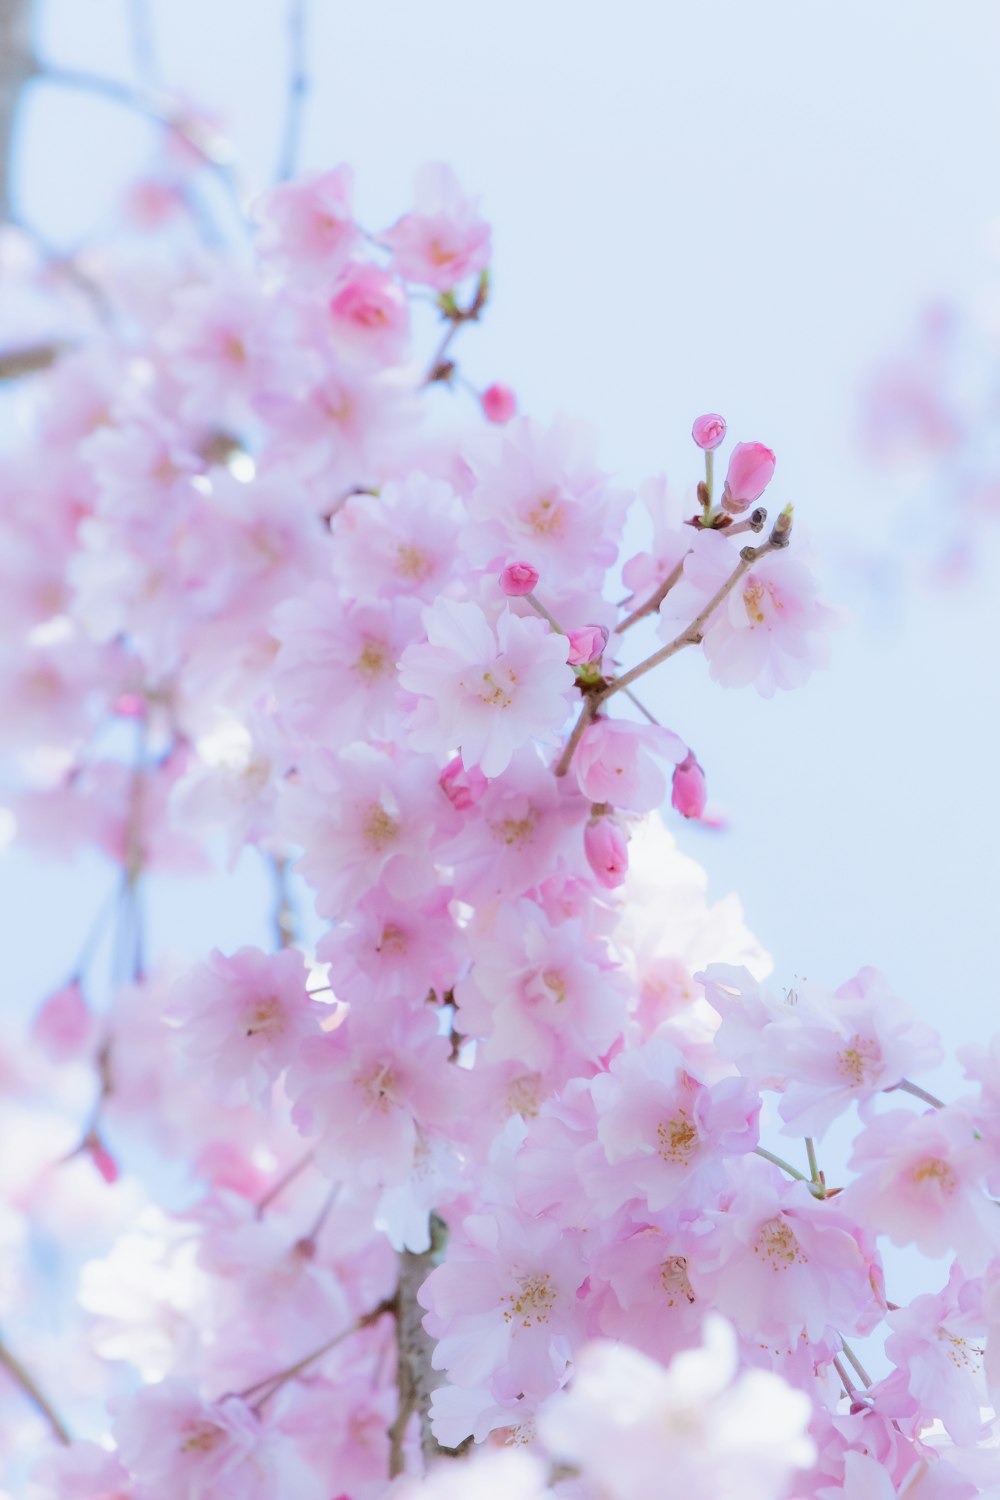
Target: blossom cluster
<point>487,1190</point>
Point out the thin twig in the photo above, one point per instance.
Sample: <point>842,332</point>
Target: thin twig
<point>855,1361</point>
<point>298,89</point>
<point>579,728</point>
<point>275,1382</point>
<point>284,914</point>
<point>691,635</point>
<point>263,1204</point>
<point>917,1092</point>
<point>845,1379</point>
<point>655,599</point>
<point>642,708</point>
<point>38,1399</point>
<point>17,66</point>
<point>16,363</point>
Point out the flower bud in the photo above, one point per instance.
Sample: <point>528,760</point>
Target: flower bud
<point>64,1027</point>
<point>688,789</point>
<point>499,404</point>
<point>709,430</point>
<point>606,848</point>
<point>586,645</point>
<point>462,788</point>
<point>518,579</point>
<point>751,467</point>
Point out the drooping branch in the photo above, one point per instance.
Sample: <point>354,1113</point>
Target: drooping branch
<point>298,89</point>
<point>38,1399</point>
<point>17,66</point>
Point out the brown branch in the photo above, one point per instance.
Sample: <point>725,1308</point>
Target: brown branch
<point>26,1382</point>
<point>655,599</point>
<point>416,1379</point>
<point>16,363</point>
<point>17,66</point>
<point>273,1383</point>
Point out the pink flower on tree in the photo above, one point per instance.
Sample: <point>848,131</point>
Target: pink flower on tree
<point>606,847</point>
<point>708,431</point>
<point>499,404</point>
<point>687,789</point>
<point>369,318</point>
<point>486,689</point>
<point>614,763</point>
<point>242,1019</point>
<point>751,469</point>
<point>442,240</point>
<point>307,227</point>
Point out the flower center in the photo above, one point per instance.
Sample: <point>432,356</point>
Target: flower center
<point>532,1302</point>
<point>380,828</point>
<point>936,1170</point>
<point>674,1279</point>
<point>547,517</point>
<point>859,1060</point>
<point>373,661</point>
<point>514,830</point>
<point>412,562</point>
<point>677,1138</point>
<point>265,1016</point>
<point>776,1242</point>
<point>203,1439</point>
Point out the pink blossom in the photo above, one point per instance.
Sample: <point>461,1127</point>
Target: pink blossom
<point>687,793</point>
<point>614,763</point>
<point>242,1018</point>
<point>937,1345</point>
<point>626,1422</point>
<point>442,240</point>
<point>538,495</point>
<point>64,1026</point>
<point>709,430</point>
<point>504,1307</point>
<point>177,1446</point>
<point>369,318</point>
<point>462,788</point>
<point>402,541</point>
<point>488,690</point>
<point>586,645</point>
<point>518,578</point>
<point>849,1046</point>
<point>606,847</point>
<point>921,1182</point>
<point>306,226</point>
<point>770,630</point>
<point>751,468</point>
<point>499,404</point>
<point>647,571</point>
<point>661,1127</point>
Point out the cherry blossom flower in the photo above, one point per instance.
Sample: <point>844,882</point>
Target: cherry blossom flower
<point>443,240</point>
<point>487,690</point>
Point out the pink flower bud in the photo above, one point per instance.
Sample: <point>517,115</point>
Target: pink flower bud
<point>499,403</point>
<point>129,706</point>
<point>64,1027</point>
<point>102,1158</point>
<point>709,430</point>
<point>518,579</point>
<point>586,645</point>
<point>462,788</point>
<point>688,790</point>
<point>606,849</point>
<point>751,467</point>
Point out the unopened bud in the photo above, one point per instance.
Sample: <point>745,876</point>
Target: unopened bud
<point>518,579</point>
<point>606,848</point>
<point>709,430</point>
<point>586,645</point>
<point>688,790</point>
<point>462,787</point>
<point>499,403</point>
<point>751,468</point>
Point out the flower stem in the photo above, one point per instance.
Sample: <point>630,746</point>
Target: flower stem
<point>38,1399</point>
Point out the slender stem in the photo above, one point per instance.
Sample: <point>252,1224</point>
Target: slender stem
<point>655,599</point>
<point>438,362</point>
<point>779,1161</point>
<point>845,1379</point>
<point>586,714</point>
<point>863,1374</point>
<point>309,1239</point>
<point>540,609</point>
<point>813,1163</point>
<point>691,635</point>
<point>38,1399</point>
<point>143,43</point>
<point>642,708</point>
<point>263,1204</point>
<point>709,478</point>
<point>16,363</point>
<point>298,89</point>
<point>17,66</point>
<point>917,1092</point>
<point>275,1382</point>
<point>284,915</point>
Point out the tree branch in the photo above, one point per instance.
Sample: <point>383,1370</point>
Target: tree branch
<point>17,66</point>
<point>21,1378</point>
<point>416,1378</point>
<point>298,89</point>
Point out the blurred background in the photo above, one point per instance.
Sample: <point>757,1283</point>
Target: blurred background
<point>696,208</point>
